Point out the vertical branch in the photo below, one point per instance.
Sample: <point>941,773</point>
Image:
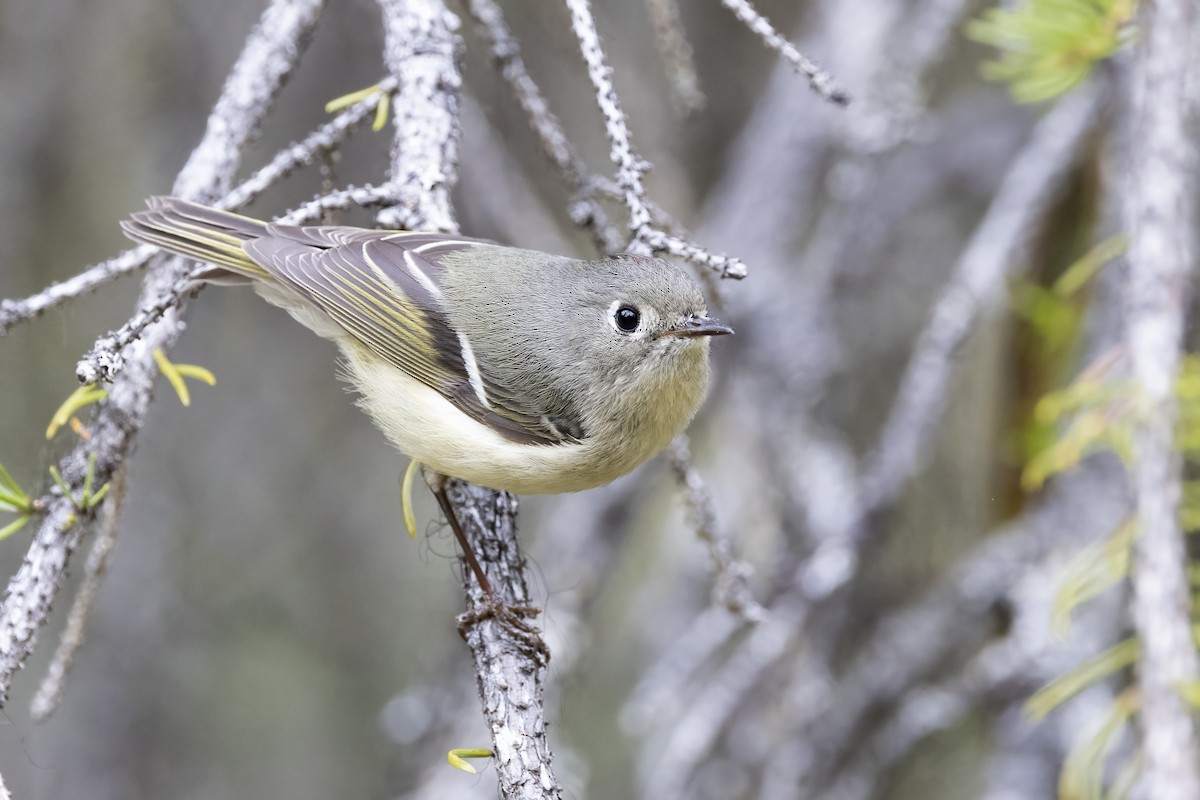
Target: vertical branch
<point>1161,253</point>
<point>421,50</point>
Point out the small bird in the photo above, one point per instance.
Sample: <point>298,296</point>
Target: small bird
<point>509,368</point>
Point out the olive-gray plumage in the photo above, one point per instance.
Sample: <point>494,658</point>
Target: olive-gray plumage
<point>510,368</point>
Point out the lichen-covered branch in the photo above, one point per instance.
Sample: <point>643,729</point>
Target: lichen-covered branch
<point>510,656</point>
<point>267,60</point>
<point>1162,251</point>
<point>50,692</point>
<point>421,50</point>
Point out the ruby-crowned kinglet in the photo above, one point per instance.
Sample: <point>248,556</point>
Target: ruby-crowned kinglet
<point>509,368</point>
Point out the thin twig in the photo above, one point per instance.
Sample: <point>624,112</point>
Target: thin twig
<point>630,167</point>
<point>724,266</point>
<point>340,200</point>
<point>821,81</point>
<point>1162,250</point>
<point>310,149</point>
<point>107,356</point>
<point>586,210</point>
<point>15,311</point>
<point>285,162</point>
<point>731,588</point>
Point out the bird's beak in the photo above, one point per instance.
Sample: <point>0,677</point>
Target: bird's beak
<point>698,326</point>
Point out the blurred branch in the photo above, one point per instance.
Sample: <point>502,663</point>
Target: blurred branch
<point>821,81</point>
<point>676,53</point>
<point>730,588</point>
<point>691,736</point>
<point>1025,761</point>
<point>912,645</point>
<point>1032,183</point>
<point>996,673</point>
<point>267,60</point>
<point>1161,194</point>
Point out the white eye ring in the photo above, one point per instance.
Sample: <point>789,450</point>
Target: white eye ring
<point>621,313</point>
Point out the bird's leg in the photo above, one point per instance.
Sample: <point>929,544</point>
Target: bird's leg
<point>437,484</point>
<point>493,607</point>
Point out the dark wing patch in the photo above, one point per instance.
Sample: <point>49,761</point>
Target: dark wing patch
<point>385,290</point>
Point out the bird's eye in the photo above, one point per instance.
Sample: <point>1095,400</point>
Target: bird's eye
<point>627,319</point>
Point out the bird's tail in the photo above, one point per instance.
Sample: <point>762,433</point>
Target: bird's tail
<point>199,232</point>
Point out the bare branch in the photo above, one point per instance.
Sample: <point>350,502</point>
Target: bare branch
<point>630,168</point>
<point>306,151</point>
<point>821,81</point>
<point>1031,184</point>
<point>587,211</point>
<point>15,311</point>
<point>1162,250</point>
<point>268,58</point>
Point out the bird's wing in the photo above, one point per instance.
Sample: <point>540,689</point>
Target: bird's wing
<point>385,290</point>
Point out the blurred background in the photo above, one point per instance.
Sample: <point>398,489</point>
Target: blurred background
<point>268,630</point>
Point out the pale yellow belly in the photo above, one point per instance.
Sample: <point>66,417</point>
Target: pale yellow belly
<point>428,428</point>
